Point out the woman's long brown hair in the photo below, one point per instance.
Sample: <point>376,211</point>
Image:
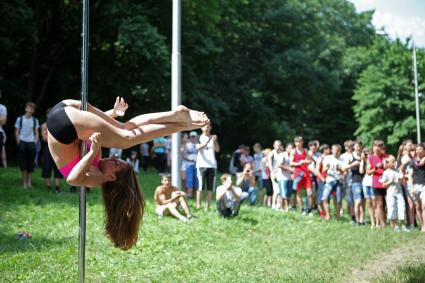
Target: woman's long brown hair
<point>124,208</point>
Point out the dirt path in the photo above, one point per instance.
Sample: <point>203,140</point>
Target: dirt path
<point>412,253</point>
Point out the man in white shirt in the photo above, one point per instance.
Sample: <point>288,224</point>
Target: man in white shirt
<point>206,164</point>
<point>228,197</point>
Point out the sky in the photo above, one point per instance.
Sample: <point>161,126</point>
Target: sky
<point>400,18</point>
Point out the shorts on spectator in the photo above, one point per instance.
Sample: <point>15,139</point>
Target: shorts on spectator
<point>285,187</point>
<point>329,188</point>
<point>267,184</point>
<point>368,192</point>
<point>26,156</point>
<point>303,180</point>
<point>207,175</point>
<point>357,190</point>
<point>419,192</point>
<point>379,192</point>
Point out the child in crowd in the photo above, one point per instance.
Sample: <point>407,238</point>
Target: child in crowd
<point>409,152</point>
<point>417,183</point>
<point>313,151</point>
<point>321,177</point>
<point>133,160</point>
<point>190,154</point>
<point>395,201</point>
<point>27,135</point>
<point>356,184</point>
<point>266,179</point>
<point>258,156</point>
<point>300,159</point>
<point>375,167</point>
<point>346,159</point>
<point>285,178</point>
<point>274,158</point>
<point>184,163</point>
<point>367,190</point>
<point>333,166</point>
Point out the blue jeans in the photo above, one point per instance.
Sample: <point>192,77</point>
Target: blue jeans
<point>285,187</point>
<point>331,187</point>
<point>250,193</point>
<point>357,189</point>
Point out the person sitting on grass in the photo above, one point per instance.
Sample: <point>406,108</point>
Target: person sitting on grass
<point>168,199</point>
<point>246,181</point>
<point>228,197</point>
<point>396,207</point>
<point>67,126</point>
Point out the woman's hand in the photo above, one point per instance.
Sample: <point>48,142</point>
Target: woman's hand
<point>96,142</point>
<point>120,107</point>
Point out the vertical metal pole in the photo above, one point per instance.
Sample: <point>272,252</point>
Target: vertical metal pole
<point>176,91</point>
<point>83,192</point>
<point>418,121</point>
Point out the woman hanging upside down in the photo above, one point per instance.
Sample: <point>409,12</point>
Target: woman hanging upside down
<point>124,204</point>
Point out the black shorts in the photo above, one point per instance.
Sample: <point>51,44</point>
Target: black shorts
<point>60,126</point>
<point>267,184</point>
<point>207,176</point>
<point>26,156</point>
<point>380,192</point>
<point>49,164</point>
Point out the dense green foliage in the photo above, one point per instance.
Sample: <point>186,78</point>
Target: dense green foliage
<point>261,69</point>
<point>385,100</point>
<point>259,246</point>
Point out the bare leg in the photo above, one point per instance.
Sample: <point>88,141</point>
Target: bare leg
<point>29,179</point>
<point>47,182</point>
<point>326,209</point>
<point>410,211</point>
<point>371,207</point>
<point>299,199</point>
<point>338,210</point>
<point>184,206</point>
<point>310,198</point>
<point>361,211</point>
<point>174,212</point>
<point>208,202</point>
<point>357,205</point>
<point>380,210</point>
<point>423,216</point>
<point>180,115</point>
<point>419,211</point>
<point>198,199</point>
<point>24,179</point>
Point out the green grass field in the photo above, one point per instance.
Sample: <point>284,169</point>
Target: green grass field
<point>259,246</point>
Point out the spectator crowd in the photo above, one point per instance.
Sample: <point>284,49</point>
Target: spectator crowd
<point>286,178</point>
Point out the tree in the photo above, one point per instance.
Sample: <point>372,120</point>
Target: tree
<point>384,98</point>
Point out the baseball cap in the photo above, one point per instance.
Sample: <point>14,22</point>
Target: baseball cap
<point>193,134</point>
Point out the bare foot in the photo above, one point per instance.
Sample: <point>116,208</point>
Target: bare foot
<point>193,119</point>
